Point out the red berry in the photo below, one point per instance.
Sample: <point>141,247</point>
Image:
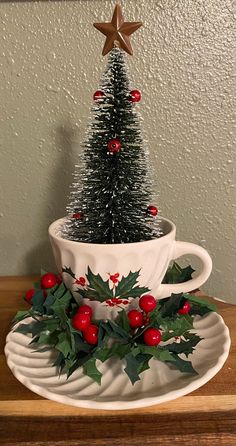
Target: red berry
<point>91,334</point>
<point>147,303</point>
<point>81,321</point>
<point>77,215</point>
<point>135,318</point>
<point>185,308</point>
<point>98,95</point>
<point>114,145</point>
<point>80,281</point>
<point>29,294</point>
<point>85,309</point>
<point>113,278</point>
<point>135,96</point>
<point>152,210</point>
<point>152,336</point>
<point>48,280</point>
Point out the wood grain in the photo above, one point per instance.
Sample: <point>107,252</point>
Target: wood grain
<point>204,417</point>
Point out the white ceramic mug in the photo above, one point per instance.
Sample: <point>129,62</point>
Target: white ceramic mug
<point>151,257</point>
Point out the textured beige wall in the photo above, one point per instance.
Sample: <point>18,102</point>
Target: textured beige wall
<point>50,64</point>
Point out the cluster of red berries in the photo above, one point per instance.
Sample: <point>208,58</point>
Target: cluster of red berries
<point>137,319</point>
<point>82,321</point>
<point>47,281</point>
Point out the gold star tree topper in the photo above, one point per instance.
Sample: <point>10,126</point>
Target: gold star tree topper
<point>117,32</point>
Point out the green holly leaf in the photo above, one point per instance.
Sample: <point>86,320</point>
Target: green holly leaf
<point>49,301</point>
<point>182,365</point>
<point>37,302</point>
<point>89,294</point>
<point>90,369</point>
<point>204,307</point>
<point>80,345</point>
<point>47,338</point>
<point>20,315</point>
<point>176,274</point>
<point>60,305</point>
<point>63,344</point>
<point>134,292</point>
<point>97,287</point>
<point>183,346</point>
<point>68,271</point>
<point>176,327</point>
<point>123,320</point>
<point>61,290</point>
<point>131,369</point>
<point>117,331</point>
<point>24,328</point>
<point>171,305</point>
<point>126,287</point>
<point>143,361</point>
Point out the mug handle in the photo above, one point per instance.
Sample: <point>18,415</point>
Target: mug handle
<point>180,249</point>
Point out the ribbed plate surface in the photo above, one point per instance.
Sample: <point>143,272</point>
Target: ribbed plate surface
<point>159,384</point>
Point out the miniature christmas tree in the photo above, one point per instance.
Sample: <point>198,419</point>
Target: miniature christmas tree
<point>111,193</point>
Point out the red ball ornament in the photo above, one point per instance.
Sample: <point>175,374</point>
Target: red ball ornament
<point>185,308</point>
<point>80,321</point>
<point>147,303</point>
<point>85,309</point>
<point>152,210</point>
<point>77,215</point>
<point>98,95</point>
<point>152,336</point>
<point>135,96</point>
<point>29,295</point>
<point>114,145</point>
<point>135,318</point>
<point>91,334</point>
<point>48,280</point>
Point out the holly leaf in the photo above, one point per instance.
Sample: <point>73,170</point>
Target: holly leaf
<point>49,301</point>
<point>69,271</point>
<point>98,288</point>
<point>117,331</point>
<point>182,365</point>
<point>204,307</point>
<point>123,320</point>
<point>88,294</point>
<point>60,291</point>
<point>63,344</point>
<point>80,345</point>
<point>131,369</point>
<point>20,315</point>
<point>176,327</point>
<point>134,292</point>
<point>37,302</point>
<point>59,362</point>
<point>176,274</point>
<point>171,305</point>
<point>183,346</point>
<point>126,287</point>
<point>143,361</point>
<point>90,369</point>
<point>25,328</point>
<point>60,305</point>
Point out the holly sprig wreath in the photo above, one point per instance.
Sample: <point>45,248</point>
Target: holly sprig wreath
<point>162,330</point>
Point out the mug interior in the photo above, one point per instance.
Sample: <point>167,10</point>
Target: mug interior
<point>55,230</point>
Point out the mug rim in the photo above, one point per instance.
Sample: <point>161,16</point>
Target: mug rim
<point>55,224</point>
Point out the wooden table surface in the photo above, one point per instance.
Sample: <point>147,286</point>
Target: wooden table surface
<point>204,417</point>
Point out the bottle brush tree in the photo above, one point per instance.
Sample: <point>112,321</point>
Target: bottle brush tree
<point>110,199</point>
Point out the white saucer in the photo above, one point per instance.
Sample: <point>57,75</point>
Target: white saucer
<point>159,384</point>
